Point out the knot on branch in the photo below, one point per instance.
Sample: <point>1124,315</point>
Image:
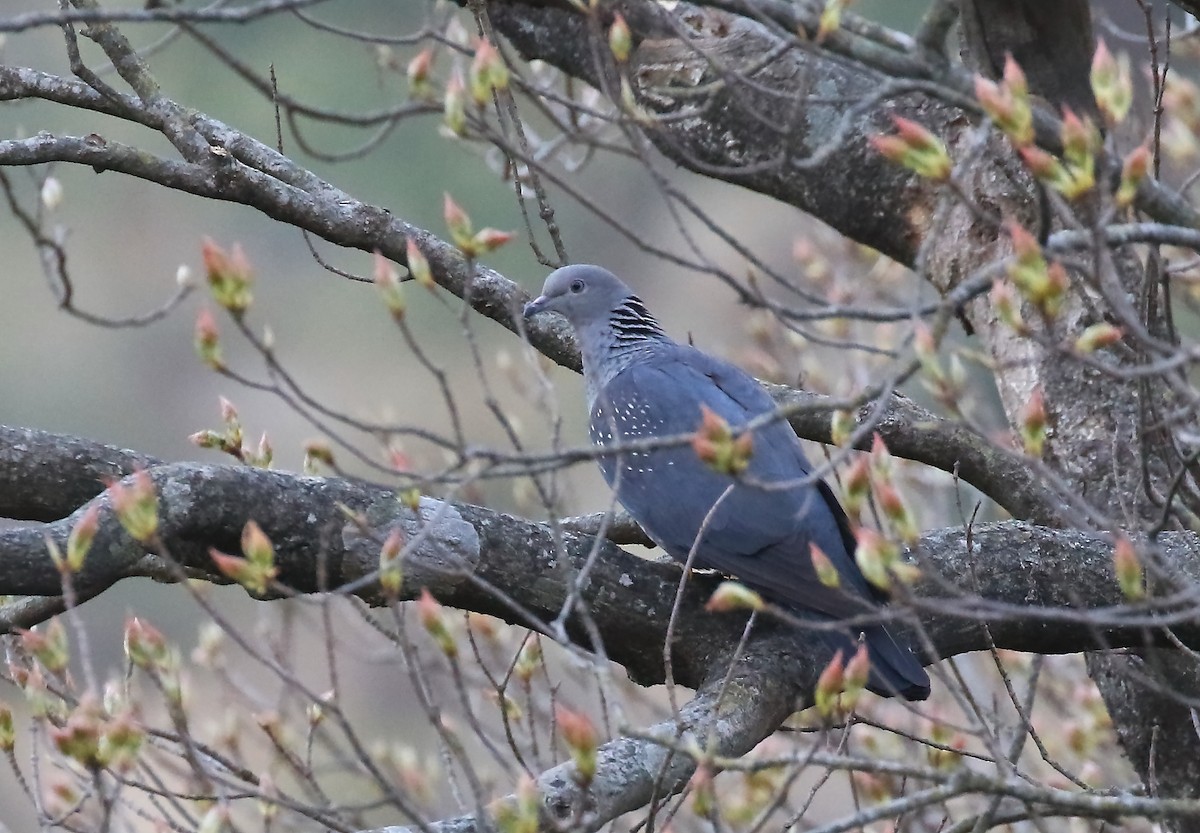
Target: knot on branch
<point>440,548</point>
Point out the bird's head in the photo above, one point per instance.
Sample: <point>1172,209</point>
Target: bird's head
<point>581,293</point>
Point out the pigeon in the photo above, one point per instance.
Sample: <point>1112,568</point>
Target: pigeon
<point>757,525</point>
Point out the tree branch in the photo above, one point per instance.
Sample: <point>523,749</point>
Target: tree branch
<point>914,433</point>
<point>782,127</point>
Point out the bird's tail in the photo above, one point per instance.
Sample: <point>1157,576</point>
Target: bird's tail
<point>895,669</point>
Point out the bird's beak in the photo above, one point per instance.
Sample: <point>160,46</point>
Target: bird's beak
<point>536,305</point>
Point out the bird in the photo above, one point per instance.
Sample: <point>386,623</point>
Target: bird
<point>757,525</point>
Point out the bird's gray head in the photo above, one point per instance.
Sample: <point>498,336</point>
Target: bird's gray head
<point>582,293</point>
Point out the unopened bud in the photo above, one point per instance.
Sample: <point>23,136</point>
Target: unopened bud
<point>529,659</point>
<point>418,74</point>
<point>1014,77</point>
<point>1097,337</point>
<point>136,505</point>
<point>257,570</point>
<point>387,281</point>
<point>317,452</point>
<point>1033,424</point>
<point>490,239</point>
<point>875,556</point>
<point>831,18</point>
<point>8,732</point>
<point>488,72</point>
<point>1045,285</point>
<point>704,796</point>
<point>1048,169</point>
<point>882,464</point>
<point>1133,173</point>
<point>943,758</point>
<point>732,595</point>
<point>916,148</point>
<point>1080,138</point>
<point>459,224</point>
<point>120,742</point>
<point>418,265</point>
<point>830,685</point>
<point>872,788</point>
<point>715,444</point>
<point>79,738</point>
<point>410,498</point>
<point>620,41</point>
<point>1007,104</point>
<point>390,575</point>
<point>827,574</point>
<point>841,427</point>
<point>1025,245</point>
<point>265,454</point>
<point>856,486</point>
<point>79,541</point>
<point>433,619</point>
<point>52,193</point>
<point>1112,86</point>
<point>229,276</point>
<point>454,105</point>
<point>580,736</point>
<point>1006,306</point>
<point>207,340</point>
<point>145,645</point>
<point>858,671</point>
<point>256,546</point>
<point>48,646</point>
<point>522,815</point>
<point>1128,569</point>
<point>895,510</point>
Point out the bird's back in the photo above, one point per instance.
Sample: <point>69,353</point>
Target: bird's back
<point>757,527</point>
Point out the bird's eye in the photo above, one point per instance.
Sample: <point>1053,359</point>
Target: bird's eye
<point>577,287</point>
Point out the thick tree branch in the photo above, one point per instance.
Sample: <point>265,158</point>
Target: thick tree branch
<point>242,170</point>
<point>1053,45</point>
<point>1022,579</point>
<point>44,476</point>
<point>796,126</point>
<point>914,433</point>
<point>711,115</point>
